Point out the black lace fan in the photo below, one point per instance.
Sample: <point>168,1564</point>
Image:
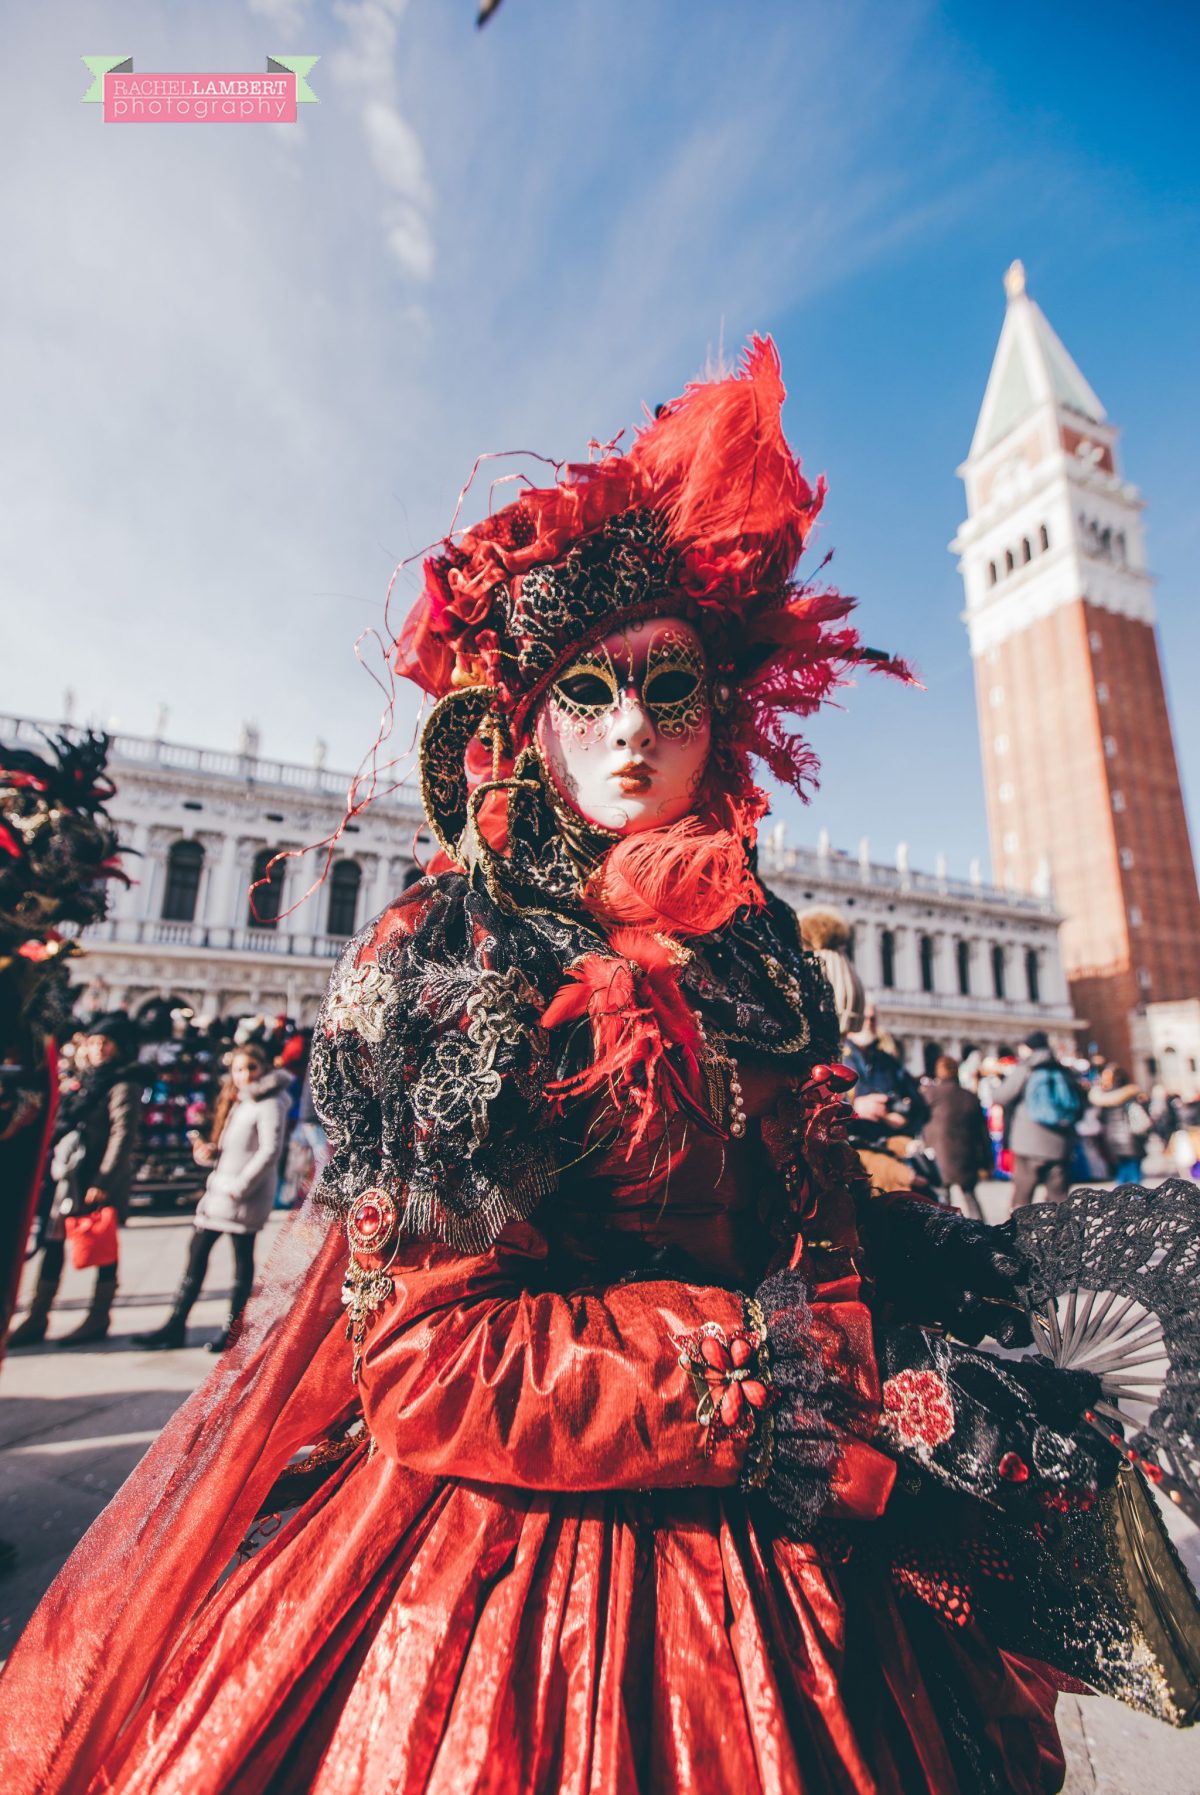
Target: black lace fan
<point>1114,1289</point>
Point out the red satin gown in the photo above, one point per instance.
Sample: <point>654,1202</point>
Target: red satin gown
<point>535,1580</point>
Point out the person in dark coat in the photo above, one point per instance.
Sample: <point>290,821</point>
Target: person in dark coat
<point>96,1137</point>
<point>956,1135</point>
<point>888,1109</point>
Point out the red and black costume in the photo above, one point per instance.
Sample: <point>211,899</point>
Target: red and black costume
<point>619,1499</point>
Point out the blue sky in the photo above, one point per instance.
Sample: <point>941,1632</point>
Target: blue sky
<point>247,369</point>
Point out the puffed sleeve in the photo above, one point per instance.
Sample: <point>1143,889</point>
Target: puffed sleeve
<point>472,1373</point>
<point>429,1070</point>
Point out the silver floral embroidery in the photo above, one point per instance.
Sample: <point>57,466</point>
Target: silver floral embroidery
<point>453,1092</point>
<point>359,999</point>
<point>500,1010</point>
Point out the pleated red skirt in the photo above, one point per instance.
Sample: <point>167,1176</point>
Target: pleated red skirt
<point>410,1636</point>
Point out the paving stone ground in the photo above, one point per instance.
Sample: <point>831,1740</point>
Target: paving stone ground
<point>73,1423</point>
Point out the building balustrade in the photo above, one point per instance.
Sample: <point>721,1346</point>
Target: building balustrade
<point>946,1003</point>
<point>136,931</point>
<point>249,770</point>
<point>800,863</point>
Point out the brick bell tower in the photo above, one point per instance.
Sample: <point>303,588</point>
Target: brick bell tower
<point>1078,757</point>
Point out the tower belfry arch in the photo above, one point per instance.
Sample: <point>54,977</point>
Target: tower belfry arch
<point>1078,755</point>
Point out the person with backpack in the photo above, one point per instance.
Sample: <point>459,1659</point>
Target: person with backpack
<point>1041,1104</point>
<point>957,1136</point>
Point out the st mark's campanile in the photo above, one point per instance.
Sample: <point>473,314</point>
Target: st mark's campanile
<point>1079,763</point>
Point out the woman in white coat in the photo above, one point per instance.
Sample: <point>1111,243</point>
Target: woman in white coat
<point>244,1148</point>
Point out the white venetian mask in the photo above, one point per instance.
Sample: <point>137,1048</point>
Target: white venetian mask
<point>625,730</point>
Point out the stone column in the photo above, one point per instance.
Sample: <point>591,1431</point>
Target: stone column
<point>297,877</point>
<point>371,894</point>
<point>236,899</point>
<point>1054,978</point>
<point>218,890</point>
<point>908,966</point>
<point>869,950</point>
<point>159,838</point>
<point>125,901</point>
<point>214,845</point>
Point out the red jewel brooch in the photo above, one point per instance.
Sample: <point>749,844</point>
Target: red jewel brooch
<point>727,1378</point>
<point>371,1231</point>
<point>371,1222</point>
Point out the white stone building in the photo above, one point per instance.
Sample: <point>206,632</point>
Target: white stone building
<point>198,826</point>
<point>951,964</point>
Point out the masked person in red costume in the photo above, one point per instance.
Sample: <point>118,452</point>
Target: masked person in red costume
<point>634,1468</point>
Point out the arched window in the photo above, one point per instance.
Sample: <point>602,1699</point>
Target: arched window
<point>963,956</point>
<point>887,959</point>
<point>185,863</point>
<point>991,573</point>
<point>998,969</point>
<point>1044,538</point>
<point>1009,563</point>
<point>344,882</point>
<point>262,909</point>
<point>1026,551</point>
<point>927,962</point>
<point>1033,975</point>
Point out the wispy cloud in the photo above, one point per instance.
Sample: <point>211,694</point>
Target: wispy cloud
<point>287,15</point>
<point>364,65</point>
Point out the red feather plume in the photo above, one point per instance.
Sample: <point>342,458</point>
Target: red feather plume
<point>637,1015</point>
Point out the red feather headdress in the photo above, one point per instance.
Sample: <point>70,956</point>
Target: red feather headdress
<point>704,517</point>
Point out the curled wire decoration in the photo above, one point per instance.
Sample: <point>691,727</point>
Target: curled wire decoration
<point>369,770</point>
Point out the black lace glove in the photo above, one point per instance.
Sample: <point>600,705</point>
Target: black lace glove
<point>793,1470</point>
<point>1013,1432</point>
<point>933,1266</point>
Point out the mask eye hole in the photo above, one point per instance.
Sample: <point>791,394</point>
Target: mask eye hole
<point>587,690</point>
<point>671,685</point>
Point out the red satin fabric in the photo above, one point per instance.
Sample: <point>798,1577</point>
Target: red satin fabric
<point>419,1635</point>
<point>478,1378</point>
<point>536,1582</point>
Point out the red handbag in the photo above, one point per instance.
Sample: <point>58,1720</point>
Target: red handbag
<point>93,1237</point>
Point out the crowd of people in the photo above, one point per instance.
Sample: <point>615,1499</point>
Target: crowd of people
<point>1038,1121</point>
<point>237,1139</point>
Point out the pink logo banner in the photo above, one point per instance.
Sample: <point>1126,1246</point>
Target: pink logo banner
<point>224,99</point>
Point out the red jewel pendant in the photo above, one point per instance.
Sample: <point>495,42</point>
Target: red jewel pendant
<point>1013,1469</point>
<point>371,1222</point>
